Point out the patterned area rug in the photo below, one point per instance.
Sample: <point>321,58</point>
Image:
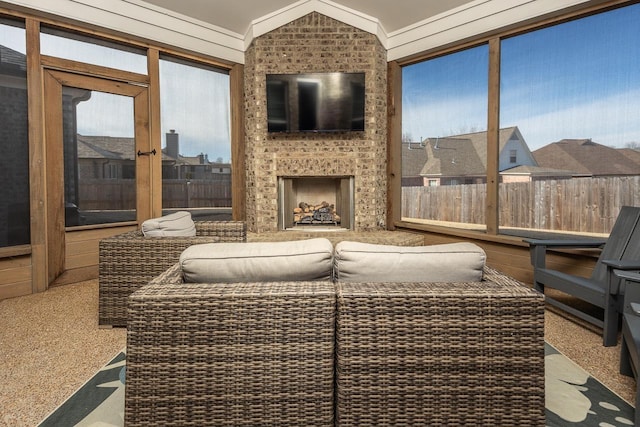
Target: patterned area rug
<point>573,398</point>
<point>99,402</point>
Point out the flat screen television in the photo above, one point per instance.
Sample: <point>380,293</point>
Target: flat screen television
<point>315,102</point>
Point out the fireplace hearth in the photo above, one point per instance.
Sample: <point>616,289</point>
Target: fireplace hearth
<point>313,202</point>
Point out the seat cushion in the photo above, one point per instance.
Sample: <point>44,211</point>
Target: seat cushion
<point>175,224</point>
<point>366,262</point>
<point>310,259</point>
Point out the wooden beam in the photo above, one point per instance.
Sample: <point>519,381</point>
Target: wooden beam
<point>37,163</point>
<point>238,170</point>
<point>155,132</point>
<point>493,138</point>
<point>394,144</point>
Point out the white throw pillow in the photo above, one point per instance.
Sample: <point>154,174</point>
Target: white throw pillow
<point>175,224</point>
<point>298,260</point>
<point>366,262</point>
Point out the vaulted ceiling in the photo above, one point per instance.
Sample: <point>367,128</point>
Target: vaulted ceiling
<point>237,16</point>
<point>224,29</point>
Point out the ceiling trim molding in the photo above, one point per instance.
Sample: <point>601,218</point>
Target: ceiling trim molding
<point>469,20</point>
<point>150,22</point>
<point>141,19</point>
<point>301,8</point>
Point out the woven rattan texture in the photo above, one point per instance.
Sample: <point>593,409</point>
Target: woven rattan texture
<point>246,354</point>
<point>457,354</point>
<point>129,260</point>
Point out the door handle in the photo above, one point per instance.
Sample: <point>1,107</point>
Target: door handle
<point>146,153</point>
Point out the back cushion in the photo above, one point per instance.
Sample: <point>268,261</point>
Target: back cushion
<point>175,224</point>
<point>300,260</point>
<point>366,262</point>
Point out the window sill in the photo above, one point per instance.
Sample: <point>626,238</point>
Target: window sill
<point>15,251</point>
<point>506,239</point>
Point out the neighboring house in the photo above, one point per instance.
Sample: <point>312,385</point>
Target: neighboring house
<point>177,166</point>
<point>462,159</point>
<point>104,157</point>
<point>414,156</point>
<point>588,158</point>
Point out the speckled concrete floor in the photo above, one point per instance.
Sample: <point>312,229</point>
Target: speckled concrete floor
<point>50,344</point>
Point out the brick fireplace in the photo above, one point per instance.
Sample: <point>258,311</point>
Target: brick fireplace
<point>316,43</point>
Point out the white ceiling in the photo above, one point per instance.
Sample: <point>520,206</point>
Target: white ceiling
<point>224,29</point>
<point>237,16</point>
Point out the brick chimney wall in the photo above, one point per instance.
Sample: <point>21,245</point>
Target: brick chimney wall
<point>316,43</point>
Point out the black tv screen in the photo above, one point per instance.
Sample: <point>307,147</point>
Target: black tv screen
<point>315,102</point>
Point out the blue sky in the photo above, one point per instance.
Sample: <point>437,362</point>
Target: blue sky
<point>575,80</point>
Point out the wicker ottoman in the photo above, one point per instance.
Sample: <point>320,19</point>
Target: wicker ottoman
<point>440,354</point>
<point>129,260</point>
<point>243,354</point>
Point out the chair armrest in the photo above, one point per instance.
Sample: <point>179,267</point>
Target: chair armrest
<point>538,247</point>
<point>621,269</point>
<point>633,276</point>
<point>569,243</point>
<point>622,264</point>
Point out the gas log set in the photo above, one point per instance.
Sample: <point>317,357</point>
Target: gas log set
<point>324,213</point>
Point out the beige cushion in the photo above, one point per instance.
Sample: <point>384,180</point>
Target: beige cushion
<point>175,224</point>
<point>299,260</point>
<point>366,262</point>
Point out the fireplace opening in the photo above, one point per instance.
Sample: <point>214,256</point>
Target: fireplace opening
<point>315,203</point>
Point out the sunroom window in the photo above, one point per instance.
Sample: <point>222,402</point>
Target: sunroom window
<point>14,139</point>
<point>569,133</point>
<point>573,91</point>
<point>444,122</point>
<point>196,153</point>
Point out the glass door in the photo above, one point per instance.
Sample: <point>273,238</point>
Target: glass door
<point>98,157</point>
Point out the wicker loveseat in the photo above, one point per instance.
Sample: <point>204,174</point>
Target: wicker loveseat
<point>130,260</point>
<point>324,353</point>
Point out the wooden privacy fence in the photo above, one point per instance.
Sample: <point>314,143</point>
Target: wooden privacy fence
<point>120,194</point>
<point>195,193</point>
<point>589,205</point>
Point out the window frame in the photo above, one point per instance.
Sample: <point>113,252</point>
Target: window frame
<point>394,155</point>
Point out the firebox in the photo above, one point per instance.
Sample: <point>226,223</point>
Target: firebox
<point>315,203</point>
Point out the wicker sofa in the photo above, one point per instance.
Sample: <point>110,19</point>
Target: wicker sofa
<point>130,260</point>
<point>342,352</point>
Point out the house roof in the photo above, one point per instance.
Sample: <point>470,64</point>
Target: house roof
<point>12,62</point>
<point>586,157</point>
<point>414,156</point>
<point>538,171</point>
<point>461,155</point>
<point>106,147</point>
<point>122,148</point>
<point>633,154</point>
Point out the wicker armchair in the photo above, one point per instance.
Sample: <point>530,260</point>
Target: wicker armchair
<point>424,354</point>
<point>236,354</point>
<point>129,260</point>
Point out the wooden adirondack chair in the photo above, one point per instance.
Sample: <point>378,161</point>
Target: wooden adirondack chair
<point>621,251</point>
<point>630,343</point>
